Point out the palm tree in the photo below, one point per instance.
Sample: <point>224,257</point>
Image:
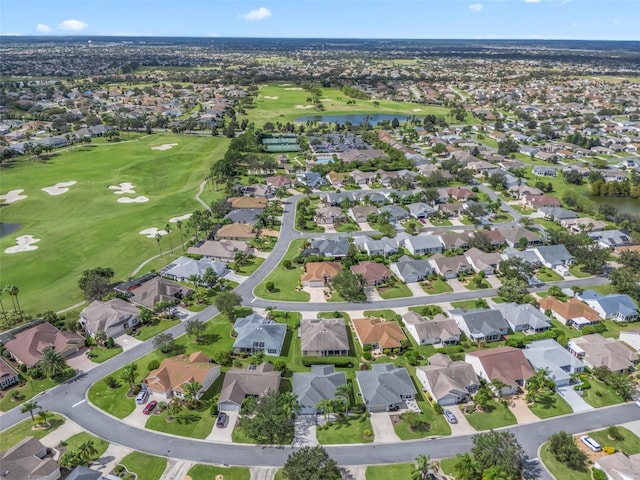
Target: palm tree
<point>158,237</point>
<point>129,373</point>
<point>195,279</point>
<point>466,468</point>
<point>86,451</point>
<point>4,313</point>
<point>422,467</point>
<point>29,406</point>
<point>326,407</point>
<point>210,277</point>
<point>495,473</point>
<point>343,393</point>
<point>174,408</point>
<point>45,416</point>
<point>526,221</point>
<point>167,228</point>
<point>9,289</point>
<point>52,363</point>
<point>101,337</point>
<point>191,391</point>
<point>179,225</point>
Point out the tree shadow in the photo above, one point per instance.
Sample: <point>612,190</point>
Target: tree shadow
<point>208,339</point>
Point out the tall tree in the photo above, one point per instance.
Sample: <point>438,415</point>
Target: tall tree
<point>87,451</point>
<point>227,303</point>
<point>129,374</point>
<point>158,237</point>
<point>466,467</point>
<point>168,229</point>
<point>9,289</point>
<point>350,286</point>
<point>564,449</point>
<point>271,422</point>
<point>498,449</point>
<point>29,406</point>
<point>191,391</point>
<point>179,225</point>
<point>52,363</point>
<point>311,463</point>
<point>422,467</point>
<point>195,328</point>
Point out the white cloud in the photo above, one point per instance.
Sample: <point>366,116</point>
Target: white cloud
<point>42,28</point>
<point>532,1</point>
<point>257,14</point>
<point>73,25</point>
<point>476,7</point>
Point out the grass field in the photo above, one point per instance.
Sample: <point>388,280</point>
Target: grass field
<point>284,107</point>
<point>208,472</point>
<point>72,443</point>
<point>86,227</point>
<point>348,430</point>
<point>146,467</point>
<point>498,416</point>
<point>385,472</point>
<point>629,443</point>
<point>550,406</point>
<point>284,279</point>
<point>24,429</point>
<point>559,469</point>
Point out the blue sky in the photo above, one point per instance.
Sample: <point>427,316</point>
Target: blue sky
<point>474,19</point>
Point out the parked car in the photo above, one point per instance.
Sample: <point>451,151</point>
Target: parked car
<point>222,420</point>
<point>149,407</point>
<point>638,404</point>
<point>142,397</point>
<point>451,418</point>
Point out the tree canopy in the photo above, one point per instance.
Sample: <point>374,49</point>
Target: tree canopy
<point>311,463</point>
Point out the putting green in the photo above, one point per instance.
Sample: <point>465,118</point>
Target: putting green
<point>87,226</point>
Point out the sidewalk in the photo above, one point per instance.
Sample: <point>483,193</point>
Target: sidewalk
<point>63,432</point>
<point>176,469</point>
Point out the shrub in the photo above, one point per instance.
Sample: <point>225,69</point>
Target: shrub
<point>367,433</point>
<point>153,364</point>
<point>598,474</point>
<point>270,286</point>
<point>366,355</point>
<point>367,347</point>
<point>416,422</point>
<point>287,264</point>
<point>585,385</point>
<point>214,409</point>
<point>608,449</point>
<point>111,382</point>
<point>438,408</point>
<point>329,424</point>
<point>339,362</point>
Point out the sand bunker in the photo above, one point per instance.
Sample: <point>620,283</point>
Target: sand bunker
<point>24,243</point>
<point>182,217</point>
<point>138,199</point>
<point>417,109</point>
<point>326,99</point>
<point>304,107</point>
<point>152,232</point>
<point>294,88</point>
<point>13,196</point>
<point>284,85</point>
<point>270,98</point>
<point>166,146</point>
<point>59,188</point>
<point>124,187</point>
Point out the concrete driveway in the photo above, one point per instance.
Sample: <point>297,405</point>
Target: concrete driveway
<point>316,294</point>
<point>110,458</point>
<point>305,431</point>
<point>383,428</point>
<point>372,294</point>
<point>224,434</point>
<point>519,408</point>
<point>462,427</point>
<point>457,285</point>
<point>137,418</point>
<point>574,400</point>
<point>127,342</point>
<point>416,289</point>
<point>80,362</point>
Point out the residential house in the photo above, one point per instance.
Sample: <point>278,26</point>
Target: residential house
<point>505,364</point>
<point>373,273</point>
<point>455,240</point>
<point>617,307</point>
<point>323,337</point>
<point>363,178</point>
<point>619,466</point>
<point>330,247</point>
<point>588,224</point>
<point>83,473</point>
<point>223,250</point>
<point>481,324</point>
<point>279,181</point>
<point>257,190</point>
<point>482,261</point>
<point>521,190</point>
<point>512,236</point>
<point>320,274</point>
<point>396,213</point>
<point>254,333</point>
<point>612,238</point>
<point>554,256</point>
<point>337,179</point>
<point>240,383</point>
<point>169,379</point>
<point>385,387</point>
<point>420,210</point>
<point>311,388</point>
<point>384,246</point>
<point>495,237</point>
<point>381,335</point>
<point>450,267</point>
<point>524,318</point>
<point>597,351</point>
<point>182,268</point>
<point>248,216</point>
<point>554,358</point>
<point>112,317</point>
<point>410,270</point>
<point>329,215</point>
<point>8,376</point>
<point>247,202</point>
<point>557,214</point>
<point>448,382</point>
<point>538,201</point>
<point>460,194</point>
<point>311,179</point>
<point>544,171</point>
<point>451,210</point>
<point>158,290</point>
<point>236,231</point>
<point>361,214</point>
<point>631,338</point>
<point>573,313</point>
<point>527,256</point>
<point>29,459</point>
<point>423,244</point>
<point>27,346</point>
<point>441,330</point>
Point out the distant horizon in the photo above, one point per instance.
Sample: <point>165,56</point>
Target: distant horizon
<point>608,20</point>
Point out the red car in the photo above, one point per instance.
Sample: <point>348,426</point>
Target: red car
<point>149,407</point>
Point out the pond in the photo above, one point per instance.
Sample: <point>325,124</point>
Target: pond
<point>9,228</point>
<point>354,118</point>
<point>623,204</point>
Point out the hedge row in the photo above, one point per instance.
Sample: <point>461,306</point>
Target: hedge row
<point>340,362</point>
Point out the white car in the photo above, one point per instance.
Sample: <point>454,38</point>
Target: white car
<point>638,404</point>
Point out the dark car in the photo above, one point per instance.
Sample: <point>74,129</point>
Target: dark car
<point>222,420</point>
<point>451,418</point>
<point>150,407</point>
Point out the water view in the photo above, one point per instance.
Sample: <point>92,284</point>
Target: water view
<point>354,119</point>
<point>9,228</point>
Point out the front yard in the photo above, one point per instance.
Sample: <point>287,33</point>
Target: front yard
<point>561,470</point>
<point>496,416</point>
<point>545,274</point>
<point>22,430</point>
<point>355,429</point>
<point>600,395</point>
<point>285,280</point>
<point>159,325</point>
<point>438,425</point>
<point>398,290</point>
<point>146,467</point>
<point>386,472</point>
<point>188,423</point>
<point>247,269</point>
<point>435,287</point>
<point>101,354</point>
<point>209,472</point>
<point>28,389</point>
<point>629,443</point>
<point>550,406</point>
<point>72,443</point>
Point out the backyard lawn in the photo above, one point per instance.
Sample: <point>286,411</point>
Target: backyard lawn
<point>285,280</point>
<point>347,430</point>
<point>550,406</point>
<point>399,290</point>
<point>22,430</point>
<point>146,467</point>
<point>209,472</point>
<point>497,416</point>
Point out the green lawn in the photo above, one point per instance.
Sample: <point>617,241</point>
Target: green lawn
<point>188,423</point>
<point>600,395</point>
<point>249,268</point>
<point>447,464</point>
<point>630,443</point>
<point>440,222</point>
<point>547,275</point>
<point>93,227</point>
<point>435,287</point>
<point>285,280</point>
<point>498,416</point>
<point>439,426</point>
<point>72,443</point>
<point>148,331</point>
<point>22,430</point>
<point>100,354</point>
<point>209,472</point>
<point>576,271</point>
<point>386,314</point>
<point>399,290</point>
<point>28,389</point>
<point>386,472</point>
<point>348,430</point>
<point>146,467</point>
<point>550,406</point>
<point>466,304</point>
<point>472,286</point>
<point>560,470</point>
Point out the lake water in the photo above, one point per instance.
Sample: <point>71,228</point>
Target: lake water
<point>624,205</point>
<point>9,228</point>
<point>355,119</point>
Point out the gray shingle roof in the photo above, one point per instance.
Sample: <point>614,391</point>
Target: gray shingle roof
<point>383,384</point>
<point>255,328</point>
<point>318,384</point>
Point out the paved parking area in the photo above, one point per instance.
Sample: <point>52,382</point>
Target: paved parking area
<point>137,418</point>
<point>223,435</point>
<point>127,342</point>
<point>383,428</point>
<point>462,427</point>
<point>80,362</point>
